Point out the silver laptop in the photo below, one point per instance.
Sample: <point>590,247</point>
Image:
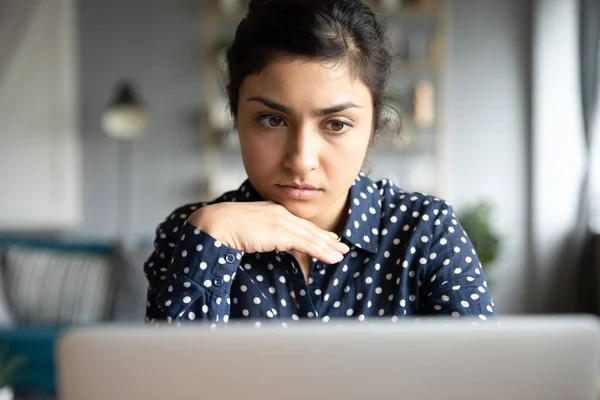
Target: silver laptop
<point>520,358</point>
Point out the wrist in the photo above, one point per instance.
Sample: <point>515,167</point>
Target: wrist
<point>199,219</point>
<point>207,220</point>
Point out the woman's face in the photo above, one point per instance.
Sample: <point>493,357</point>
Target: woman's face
<point>304,130</point>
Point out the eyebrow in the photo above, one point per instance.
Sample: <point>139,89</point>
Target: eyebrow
<point>287,110</point>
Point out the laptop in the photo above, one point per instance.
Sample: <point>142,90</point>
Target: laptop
<point>517,358</point>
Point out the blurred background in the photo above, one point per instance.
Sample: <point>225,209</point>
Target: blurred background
<point>112,114</point>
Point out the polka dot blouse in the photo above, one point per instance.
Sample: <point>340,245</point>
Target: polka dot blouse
<point>408,256</point>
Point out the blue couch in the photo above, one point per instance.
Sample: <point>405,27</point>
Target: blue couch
<point>36,340</point>
<point>36,344</point>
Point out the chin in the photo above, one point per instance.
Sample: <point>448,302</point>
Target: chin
<point>302,209</point>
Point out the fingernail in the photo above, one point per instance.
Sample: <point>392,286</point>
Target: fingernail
<point>346,248</point>
<point>333,235</point>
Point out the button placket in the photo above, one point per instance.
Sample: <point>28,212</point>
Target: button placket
<point>299,285</point>
<point>316,278</point>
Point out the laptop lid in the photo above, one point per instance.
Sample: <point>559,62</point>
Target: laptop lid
<point>521,358</point>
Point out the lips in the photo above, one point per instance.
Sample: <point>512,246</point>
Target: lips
<point>298,191</point>
<point>299,186</point>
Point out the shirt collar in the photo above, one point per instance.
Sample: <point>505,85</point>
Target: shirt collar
<point>364,211</point>
<point>364,215</point>
<point>247,193</point>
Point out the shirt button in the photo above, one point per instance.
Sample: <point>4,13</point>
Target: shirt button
<point>218,282</point>
<point>230,258</point>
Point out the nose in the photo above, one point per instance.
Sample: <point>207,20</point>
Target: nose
<point>303,151</point>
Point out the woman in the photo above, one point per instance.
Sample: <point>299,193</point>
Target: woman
<point>308,235</point>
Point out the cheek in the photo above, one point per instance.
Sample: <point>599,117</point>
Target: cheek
<point>343,163</point>
<point>259,152</point>
<point>349,150</point>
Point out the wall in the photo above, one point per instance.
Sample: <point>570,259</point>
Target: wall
<point>487,115</point>
<point>156,44</point>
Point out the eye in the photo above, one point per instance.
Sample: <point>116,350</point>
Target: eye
<point>271,121</point>
<point>338,126</point>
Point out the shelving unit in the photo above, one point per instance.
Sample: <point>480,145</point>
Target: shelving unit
<point>416,159</point>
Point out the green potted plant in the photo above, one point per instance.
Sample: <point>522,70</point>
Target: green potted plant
<point>9,367</point>
<point>476,220</point>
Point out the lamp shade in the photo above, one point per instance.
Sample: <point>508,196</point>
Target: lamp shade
<point>125,118</point>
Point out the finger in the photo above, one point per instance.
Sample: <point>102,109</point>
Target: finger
<point>332,241</point>
<point>307,240</point>
<point>326,236</point>
<point>320,252</point>
<point>320,243</point>
<point>340,246</point>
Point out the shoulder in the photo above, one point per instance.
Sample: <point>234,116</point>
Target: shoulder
<point>394,197</point>
<point>408,210</point>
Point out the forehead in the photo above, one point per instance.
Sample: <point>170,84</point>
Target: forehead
<point>302,79</point>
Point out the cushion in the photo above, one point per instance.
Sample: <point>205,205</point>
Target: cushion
<point>131,286</point>
<point>6,317</point>
<point>57,287</point>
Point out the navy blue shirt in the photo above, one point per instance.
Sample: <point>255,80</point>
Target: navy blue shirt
<point>408,256</point>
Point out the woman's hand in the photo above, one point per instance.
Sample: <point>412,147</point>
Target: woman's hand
<point>260,227</point>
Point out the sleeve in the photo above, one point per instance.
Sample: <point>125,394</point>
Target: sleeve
<point>189,274</point>
<point>454,283</point>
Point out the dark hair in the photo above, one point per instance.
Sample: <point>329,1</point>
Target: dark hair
<point>322,30</point>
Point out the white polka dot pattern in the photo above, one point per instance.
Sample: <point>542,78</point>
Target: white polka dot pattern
<point>409,256</point>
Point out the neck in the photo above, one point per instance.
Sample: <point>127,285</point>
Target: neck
<point>333,219</point>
